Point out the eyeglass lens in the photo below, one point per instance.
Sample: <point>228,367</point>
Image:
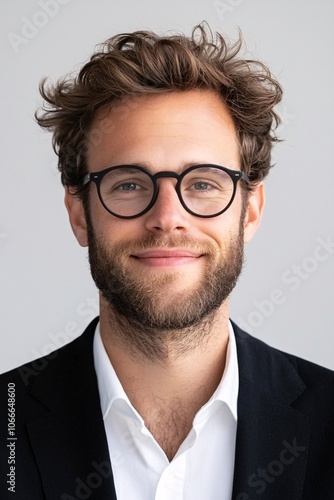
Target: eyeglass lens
<point>129,191</point>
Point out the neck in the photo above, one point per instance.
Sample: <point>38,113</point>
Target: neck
<point>167,375</point>
<point>167,364</point>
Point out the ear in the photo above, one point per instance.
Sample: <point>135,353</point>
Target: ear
<point>254,212</point>
<point>77,217</point>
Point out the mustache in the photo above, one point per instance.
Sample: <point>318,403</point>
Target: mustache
<point>152,241</point>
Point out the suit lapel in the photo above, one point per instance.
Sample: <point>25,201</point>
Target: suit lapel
<point>70,444</point>
<point>69,440</point>
<point>272,436</point>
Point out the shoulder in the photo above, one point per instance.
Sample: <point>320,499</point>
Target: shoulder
<point>250,346</point>
<point>60,362</point>
<point>277,371</point>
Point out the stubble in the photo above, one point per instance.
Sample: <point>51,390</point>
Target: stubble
<point>150,312</point>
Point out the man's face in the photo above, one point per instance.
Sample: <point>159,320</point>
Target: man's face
<point>167,269</point>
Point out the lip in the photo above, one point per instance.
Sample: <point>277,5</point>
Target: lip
<point>166,253</point>
<point>167,257</point>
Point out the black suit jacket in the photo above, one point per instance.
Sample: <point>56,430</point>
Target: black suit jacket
<point>285,433</point>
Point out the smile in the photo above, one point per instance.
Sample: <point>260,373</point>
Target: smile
<point>167,257</point>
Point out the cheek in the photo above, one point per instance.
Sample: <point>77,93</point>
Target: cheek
<point>225,227</point>
<point>113,229</point>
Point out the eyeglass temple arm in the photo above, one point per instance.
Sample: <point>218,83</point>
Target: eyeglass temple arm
<point>242,176</point>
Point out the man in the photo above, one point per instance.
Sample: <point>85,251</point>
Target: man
<point>163,144</point>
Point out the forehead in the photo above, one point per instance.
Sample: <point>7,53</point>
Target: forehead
<point>168,127</point>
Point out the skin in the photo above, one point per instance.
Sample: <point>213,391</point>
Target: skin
<point>167,132</point>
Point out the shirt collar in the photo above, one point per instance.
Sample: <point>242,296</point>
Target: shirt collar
<point>228,388</point>
<point>110,388</point>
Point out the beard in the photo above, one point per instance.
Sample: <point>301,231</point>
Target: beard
<point>151,310</point>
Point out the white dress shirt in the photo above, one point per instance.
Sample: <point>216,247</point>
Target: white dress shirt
<point>203,467</point>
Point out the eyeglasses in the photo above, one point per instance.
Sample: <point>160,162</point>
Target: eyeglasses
<point>128,191</point>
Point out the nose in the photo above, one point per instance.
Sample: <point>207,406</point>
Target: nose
<point>167,214</point>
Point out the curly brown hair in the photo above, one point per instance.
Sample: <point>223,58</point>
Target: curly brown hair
<point>139,63</point>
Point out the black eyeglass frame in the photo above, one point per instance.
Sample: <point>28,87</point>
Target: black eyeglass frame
<point>96,177</point>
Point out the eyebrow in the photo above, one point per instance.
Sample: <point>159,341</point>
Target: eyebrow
<point>148,166</point>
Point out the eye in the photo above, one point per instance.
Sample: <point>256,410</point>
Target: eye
<point>128,186</point>
<point>201,186</point>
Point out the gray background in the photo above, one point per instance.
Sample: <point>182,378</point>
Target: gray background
<point>47,295</point>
